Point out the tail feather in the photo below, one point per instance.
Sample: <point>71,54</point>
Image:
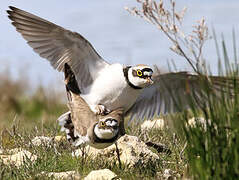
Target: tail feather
<point>66,125</point>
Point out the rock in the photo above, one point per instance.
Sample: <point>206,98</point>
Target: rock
<point>46,141</point>
<point>103,174</point>
<point>154,124</point>
<point>62,175</point>
<point>159,147</point>
<point>42,140</point>
<point>132,152</point>
<point>14,151</point>
<point>201,121</point>
<point>19,158</point>
<point>168,174</point>
<point>59,138</point>
<point>1,151</point>
<point>192,122</point>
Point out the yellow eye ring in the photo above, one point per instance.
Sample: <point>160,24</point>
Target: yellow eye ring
<point>102,124</point>
<point>139,73</point>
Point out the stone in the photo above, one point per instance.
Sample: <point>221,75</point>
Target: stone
<point>154,124</point>
<point>59,138</point>
<point>18,158</point>
<point>201,121</point>
<point>46,141</point>
<point>168,174</point>
<point>132,151</point>
<point>42,141</point>
<point>102,174</point>
<point>62,175</point>
<point>14,151</point>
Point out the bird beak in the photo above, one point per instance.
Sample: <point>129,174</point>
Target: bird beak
<point>149,80</point>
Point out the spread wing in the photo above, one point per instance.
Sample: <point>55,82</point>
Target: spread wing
<point>59,46</point>
<point>172,92</point>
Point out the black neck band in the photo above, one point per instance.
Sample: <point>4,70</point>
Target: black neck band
<point>126,75</point>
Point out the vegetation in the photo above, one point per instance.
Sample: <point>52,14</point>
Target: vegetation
<point>209,149</point>
<point>26,114</point>
<point>28,107</point>
<point>212,144</point>
<point>58,158</point>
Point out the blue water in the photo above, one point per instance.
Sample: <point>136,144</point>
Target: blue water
<point>115,34</point>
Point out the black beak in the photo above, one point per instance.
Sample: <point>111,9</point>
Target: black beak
<point>149,80</point>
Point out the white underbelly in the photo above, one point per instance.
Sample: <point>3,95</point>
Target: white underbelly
<point>112,100</point>
<point>112,90</point>
<point>124,99</point>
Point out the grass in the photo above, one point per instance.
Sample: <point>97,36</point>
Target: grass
<point>59,159</point>
<point>213,147</point>
<point>25,114</point>
<point>212,150</point>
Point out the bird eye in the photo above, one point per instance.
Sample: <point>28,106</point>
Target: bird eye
<point>102,124</point>
<point>139,73</point>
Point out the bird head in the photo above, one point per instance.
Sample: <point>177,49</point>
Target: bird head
<point>140,75</point>
<point>106,128</point>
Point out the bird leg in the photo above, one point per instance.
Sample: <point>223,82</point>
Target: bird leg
<point>118,154</point>
<point>99,109</point>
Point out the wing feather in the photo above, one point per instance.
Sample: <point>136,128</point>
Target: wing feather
<point>59,46</point>
<point>173,92</point>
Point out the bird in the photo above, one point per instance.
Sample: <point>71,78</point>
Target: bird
<point>82,125</point>
<point>143,92</point>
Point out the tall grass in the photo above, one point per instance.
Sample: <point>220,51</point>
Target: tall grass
<point>213,145</point>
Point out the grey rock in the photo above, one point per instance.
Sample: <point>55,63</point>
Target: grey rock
<point>18,158</point>
<point>102,174</point>
<point>62,175</point>
<point>132,152</point>
<point>42,141</point>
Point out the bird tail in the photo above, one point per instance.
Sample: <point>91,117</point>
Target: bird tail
<point>67,126</point>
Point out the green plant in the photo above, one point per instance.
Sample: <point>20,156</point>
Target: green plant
<point>213,145</point>
<point>212,141</point>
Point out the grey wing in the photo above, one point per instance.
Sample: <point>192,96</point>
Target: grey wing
<point>172,92</point>
<point>59,46</point>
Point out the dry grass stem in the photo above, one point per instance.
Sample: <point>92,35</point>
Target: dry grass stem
<point>170,22</point>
